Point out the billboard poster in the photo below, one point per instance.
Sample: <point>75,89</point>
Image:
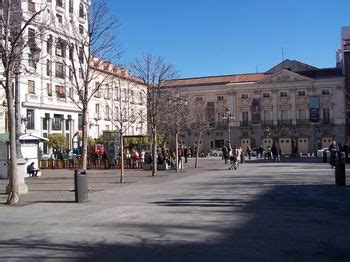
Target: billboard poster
<point>256,111</point>
<point>314,109</point>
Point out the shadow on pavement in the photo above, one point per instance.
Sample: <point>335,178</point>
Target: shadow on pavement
<point>285,223</point>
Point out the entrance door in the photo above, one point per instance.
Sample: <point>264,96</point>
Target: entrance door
<point>326,142</point>
<point>285,145</point>
<point>303,145</point>
<point>267,142</point>
<point>244,144</point>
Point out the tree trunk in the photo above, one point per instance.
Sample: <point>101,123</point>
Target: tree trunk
<point>177,152</point>
<point>121,159</point>
<point>18,117</point>
<point>154,151</point>
<point>197,153</point>
<point>13,176</point>
<point>85,138</point>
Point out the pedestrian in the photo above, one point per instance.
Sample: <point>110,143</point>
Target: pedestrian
<point>275,151</point>
<point>333,149</point>
<point>186,154</point>
<point>31,170</point>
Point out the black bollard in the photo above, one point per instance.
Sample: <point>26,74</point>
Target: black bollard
<point>340,174</point>
<point>324,156</point>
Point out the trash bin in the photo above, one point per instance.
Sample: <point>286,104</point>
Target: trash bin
<point>80,186</point>
<point>340,174</point>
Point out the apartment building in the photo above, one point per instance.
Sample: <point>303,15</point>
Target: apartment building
<point>45,92</point>
<point>303,110</point>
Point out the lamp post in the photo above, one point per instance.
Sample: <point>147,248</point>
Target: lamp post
<point>228,116</point>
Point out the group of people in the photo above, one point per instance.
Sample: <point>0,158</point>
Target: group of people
<point>338,152</point>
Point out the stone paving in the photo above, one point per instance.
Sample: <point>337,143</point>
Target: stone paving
<point>265,211</point>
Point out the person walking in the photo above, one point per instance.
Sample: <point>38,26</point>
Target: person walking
<point>333,149</point>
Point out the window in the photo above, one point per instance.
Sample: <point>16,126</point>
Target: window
<point>81,55</point>
<point>220,98</point>
<point>71,51</point>
<point>132,113</point>
<point>30,119</point>
<point>57,122</point>
<point>49,89</point>
<point>140,98</point>
<point>266,94</point>
<point>31,87</point>
<point>48,67</point>
<point>97,110</point>
<point>326,115</point>
<point>283,94</point>
<point>244,96</point>
<point>31,37</point>
<point>267,115</point>
<point>132,97</point>
<point>71,6</point>
<point>107,127</point>
<point>70,75</point>
<point>107,112</point>
<point>301,93</point>
<point>59,70</point>
<point>31,62</point>
<point>81,76</point>
<point>80,121</point>
<point>107,92</point>
<point>199,99</point>
<point>31,6</point>
<point>49,45</point>
<point>81,11</point>
<point>326,92</point>
<point>116,112</point>
<point>59,3</point>
<point>284,114</point>
<point>61,48</point>
<point>81,29</point>
<point>245,116</point>
<point>97,89</point>
<point>68,124</point>
<point>302,114</point>
<point>60,91</point>
<point>59,18</point>
<point>45,123</point>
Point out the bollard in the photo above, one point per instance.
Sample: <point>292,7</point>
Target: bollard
<point>340,174</point>
<point>80,186</point>
<point>242,158</point>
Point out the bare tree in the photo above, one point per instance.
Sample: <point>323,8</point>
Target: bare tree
<point>123,112</point>
<point>177,111</point>
<point>199,121</point>
<point>89,52</point>
<point>16,40</point>
<point>154,71</point>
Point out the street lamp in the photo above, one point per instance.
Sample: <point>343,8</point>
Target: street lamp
<point>228,116</point>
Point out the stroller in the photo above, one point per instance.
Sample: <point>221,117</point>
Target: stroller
<point>234,163</point>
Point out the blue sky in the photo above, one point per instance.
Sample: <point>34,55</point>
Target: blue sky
<point>218,37</point>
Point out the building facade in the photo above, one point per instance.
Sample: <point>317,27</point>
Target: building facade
<point>44,89</point>
<point>303,111</point>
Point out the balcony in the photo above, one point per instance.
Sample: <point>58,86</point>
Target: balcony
<point>303,122</point>
<point>284,122</point>
<point>266,122</point>
<point>32,98</point>
<point>97,116</point>
<point>245,123</point>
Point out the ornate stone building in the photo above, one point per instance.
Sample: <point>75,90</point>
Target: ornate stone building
<point>302,111</point>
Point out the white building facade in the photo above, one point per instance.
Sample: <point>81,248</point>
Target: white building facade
<point>46,107</point>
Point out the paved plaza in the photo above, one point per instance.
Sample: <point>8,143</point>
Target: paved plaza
<point>289,211</point>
